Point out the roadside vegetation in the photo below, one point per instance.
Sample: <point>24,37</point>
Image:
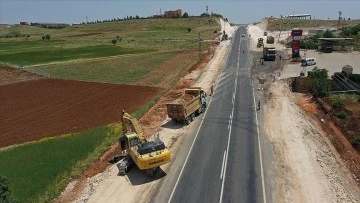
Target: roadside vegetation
<point>343,108</point>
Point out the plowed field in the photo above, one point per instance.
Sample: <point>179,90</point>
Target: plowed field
<point>36,109</point>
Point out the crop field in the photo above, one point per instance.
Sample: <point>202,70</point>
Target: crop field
<point>51,107</point>
<point>45,55</point>
<point>94,40</point>
<point>58,110</point>
<point>38,171</point>
<point>156,69</point>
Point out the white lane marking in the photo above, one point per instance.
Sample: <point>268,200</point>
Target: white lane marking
<point>259,143</point>
<point>187,157</point>
<point>227,154</point>
<point>228,144</point>
<point>223,165</point>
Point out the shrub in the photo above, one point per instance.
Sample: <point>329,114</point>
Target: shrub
<point>5,193</point>
<point>189,29</point>
<point>337,104</point>
<point>47,36</point>
<point>356,142</point>
<point>341,114</point>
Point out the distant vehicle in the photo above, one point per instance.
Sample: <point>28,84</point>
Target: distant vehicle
<point>265,33</point>
<point>270,40</point>
<point>328,50</point>
<point>308,61</point>
<point>269,53</point>
<point>260,42</point>
<point>243,35</point>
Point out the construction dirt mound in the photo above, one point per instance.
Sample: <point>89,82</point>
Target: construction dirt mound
<point>50,107</point>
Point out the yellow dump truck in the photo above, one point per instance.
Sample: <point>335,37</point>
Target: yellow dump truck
<point>189,105</point>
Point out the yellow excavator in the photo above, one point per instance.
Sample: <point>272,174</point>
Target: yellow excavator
<point>147,155</point>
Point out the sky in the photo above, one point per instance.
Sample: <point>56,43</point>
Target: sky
<point>240,11</point>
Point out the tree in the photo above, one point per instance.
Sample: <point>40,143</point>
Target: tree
<point>204,15</point>
<point>185,15</point>
<point>321,85</point>
<point>114,41</point>
<point>189,29</point>
<point>5,193</point>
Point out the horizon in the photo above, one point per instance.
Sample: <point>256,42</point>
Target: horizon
<point>238,12</point>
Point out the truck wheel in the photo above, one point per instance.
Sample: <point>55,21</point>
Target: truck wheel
<point>188,120</point>
<point>203,108</point>
<point>198,112</point>
<point>193,116</point>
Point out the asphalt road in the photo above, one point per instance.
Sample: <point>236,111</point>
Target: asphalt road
<point>224,163</point>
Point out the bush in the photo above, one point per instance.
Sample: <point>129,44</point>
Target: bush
<point>189,29</point>
<point>356,142</point>
<point>47,36</point>
<point>337,104</point>
<point>341,114</point>
<point>321,85</point>
<point>5,193</point>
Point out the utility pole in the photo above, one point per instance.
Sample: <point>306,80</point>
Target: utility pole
<point>339,18</point>
<point>199,39</point>
<point>207,10</point>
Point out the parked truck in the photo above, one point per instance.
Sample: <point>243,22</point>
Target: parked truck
<point>270,39</point>
<point>189,105</point>
<point>269,53</point>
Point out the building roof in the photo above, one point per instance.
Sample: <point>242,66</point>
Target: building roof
<point>299,15</point>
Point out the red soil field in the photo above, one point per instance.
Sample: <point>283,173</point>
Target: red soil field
<point>41,108</point>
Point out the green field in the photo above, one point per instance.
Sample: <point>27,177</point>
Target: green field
<point>48,55</point>
<point>38,171</point>
<point>94,40</point>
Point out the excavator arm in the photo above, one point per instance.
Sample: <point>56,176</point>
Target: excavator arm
<point>131,125</point>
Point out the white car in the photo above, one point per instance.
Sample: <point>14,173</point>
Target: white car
<point>243,35</point>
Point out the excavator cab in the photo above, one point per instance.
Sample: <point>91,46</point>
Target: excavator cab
<point>128,140</point>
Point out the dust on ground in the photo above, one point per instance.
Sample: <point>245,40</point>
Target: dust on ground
<point>108,186</point>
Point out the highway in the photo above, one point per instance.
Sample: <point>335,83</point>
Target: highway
<point>223,162</point>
